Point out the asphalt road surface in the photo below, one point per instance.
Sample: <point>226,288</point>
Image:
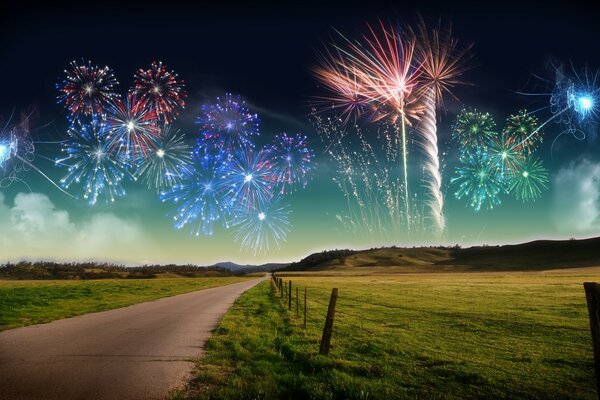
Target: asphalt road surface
<point>137,352</point>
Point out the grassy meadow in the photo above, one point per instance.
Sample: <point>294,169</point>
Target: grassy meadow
<point>33,302</point>
<point>422,336</point>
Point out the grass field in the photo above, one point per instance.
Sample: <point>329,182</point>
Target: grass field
<point>434,336</point>
<point>32,302</point>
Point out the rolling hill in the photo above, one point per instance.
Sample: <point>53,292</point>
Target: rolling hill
<point>536,255</point>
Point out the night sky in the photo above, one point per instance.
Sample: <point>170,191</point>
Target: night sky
<point>264,52</point>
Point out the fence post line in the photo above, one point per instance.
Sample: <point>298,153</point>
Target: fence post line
<point>328,329</point>
<point>297,302</point>
<point>290,297</point>
<point>305,307</point>
<point>592,295</point>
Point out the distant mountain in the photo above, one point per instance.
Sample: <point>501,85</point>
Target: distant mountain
<point>536,255</point>
<point>238,268</point>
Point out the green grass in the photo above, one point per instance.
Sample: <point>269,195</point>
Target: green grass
<point>426,336</point>
<point>32,302</point>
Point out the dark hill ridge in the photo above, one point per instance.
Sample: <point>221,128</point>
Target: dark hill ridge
<point>536,255</point>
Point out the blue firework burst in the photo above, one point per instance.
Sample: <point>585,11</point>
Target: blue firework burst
<point>227,123</point>
<point>91,162</point>
<point>199,196</point>
<point>292,161</point>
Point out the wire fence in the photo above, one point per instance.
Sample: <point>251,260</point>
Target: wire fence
<point>360,313</point>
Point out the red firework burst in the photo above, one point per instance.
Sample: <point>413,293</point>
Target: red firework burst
<point>161,90</point>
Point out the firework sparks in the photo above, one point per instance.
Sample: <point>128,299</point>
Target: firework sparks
<point>227,123</point>
<point>263,225</point>
<point>87,89</point>
<point>133,128</point>
<point>91,162</point>
<point>165,164</point>
<point>161,90</point>
<point>199,195</point>
<point>292,161</point>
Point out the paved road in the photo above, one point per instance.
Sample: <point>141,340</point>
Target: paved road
<point>137,352</point>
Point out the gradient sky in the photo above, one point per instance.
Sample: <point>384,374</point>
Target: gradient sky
<point>264,53</point>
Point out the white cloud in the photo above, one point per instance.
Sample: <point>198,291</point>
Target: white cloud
<point>577,197</point>
<point>33,228</point>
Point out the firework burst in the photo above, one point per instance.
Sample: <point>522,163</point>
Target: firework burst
<point>91,162</point>
<point>161,90</point>
<point>473,129</point>
<point>529,180</point>
<point>292,161</point>
<point>263,225</point>
<point>477,179</point>
<point>573,101</point>
<point>378,70</point>
<point>227,123</point>
<point>87,89</point>
<point>199,195</point>
<point>133,127</point>
<point>165,164</point>
<point>249,179</point>
<point>523,131</point>
<point>504,154</point>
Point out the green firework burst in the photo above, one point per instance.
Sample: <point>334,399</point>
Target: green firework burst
<point>523,130</point>
<point>473,129</point>
<point>530,179</point>
<point>477,179</point>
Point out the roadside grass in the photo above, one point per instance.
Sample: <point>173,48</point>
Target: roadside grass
<point>33,302</point>
<point>425,336</point>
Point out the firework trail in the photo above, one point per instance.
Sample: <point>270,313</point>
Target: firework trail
<point>165,164</point>
<point>227,123</point>
<point>292,161</point>
<point>249,177</point>
<point>381,65</point>
<point>199,196</point>
<point>132,127</point>
<point>91,162</point>
<point>263,224</point>
<point>87,89</point>
<point>161,90</point>
<point>442,62</point>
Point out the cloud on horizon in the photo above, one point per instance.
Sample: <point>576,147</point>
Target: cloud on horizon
<point>33,228</point>
<point>577,197</point>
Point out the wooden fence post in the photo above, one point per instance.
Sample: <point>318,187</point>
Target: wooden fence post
<point>290,297</point>
<point>592,294</point>
<point>305,308</point>
<point>328,329</point>
<point>297,302</point>
<point>282,288</point>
